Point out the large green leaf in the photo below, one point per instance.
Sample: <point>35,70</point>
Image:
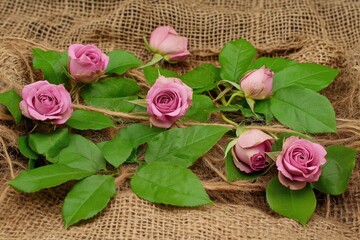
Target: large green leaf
<point>52,65</point>
<point>47,176</point>
<point>49,144</point>
<point>275,64</point>
<point>235,58</point>
<point>81,153</point>
<point>87,198</point>
<point>335,175</point>
<point>112,93</point>
<point>183,146</point>
<point>138,134</point>
<point>152,73</point>
<point>121,61</point>
<point>166,183</point>
<point>298,205</point>
<point>202,76</point>
<point>25,149</point>
<point>308,75</point>
<point>200,109</point>
<point>83,120</point>
<point>303,110</point>
<point>117,151</point>
<point>11,100</point>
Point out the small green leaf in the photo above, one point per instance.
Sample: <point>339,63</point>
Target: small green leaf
<point>298,205</point>
<point>49,144</point>
<point>183,146</point>
<point>117,151</point>
<point>45,177</point>
<point>11,100</point>
<point>200,77</point>
<point>25,149</point>
<point>112,93</point>
<point>263,107</point>
<point>121,61</point>
<point>200,109</point>
<point>303,110</point>
<point>81,153</point>
<point>235,58</point>
<point>234,174</point>
<point>309,75</point>
<point>52,65</point>
<point>275,64</point>
<point>335,175</point>
<point>161,182</point>
<point>152,73</point>
<point>87,198</point>
<point>32,163</point>
<point>138,134</point>
<point>83,120</point>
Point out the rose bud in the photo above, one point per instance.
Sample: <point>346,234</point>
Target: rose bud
<point>87,62</point>
<point>257,84</point>
<point>168,100</point>
<point>46,102</point>
<point>166,42</point>
<point>249,153</point>
<point>300,162</point>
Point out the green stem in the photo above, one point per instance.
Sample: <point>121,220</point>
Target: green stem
<point>233,96</point>
<point>228,120</point>
<point>157,58</point>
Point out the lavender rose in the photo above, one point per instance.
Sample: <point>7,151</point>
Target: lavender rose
<point>46,102</point>
<point>300,162</point>
<point>168,100</point>
<point>249,151</point>
<point>257,84</point>
<point>166,42</point>
<point>87,62</point>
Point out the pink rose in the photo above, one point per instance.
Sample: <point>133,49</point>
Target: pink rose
<point>166,42</point>
<point>300,162</point>
<point>257,84</point>
<point>46,102</point>
<point>250,151</point>
<point>87,62</point>
<point>168,100</point>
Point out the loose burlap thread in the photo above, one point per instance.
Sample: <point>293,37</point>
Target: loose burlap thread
<point>325,32</point>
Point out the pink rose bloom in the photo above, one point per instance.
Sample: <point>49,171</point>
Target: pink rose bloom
<point>46,102</point>
<point>87,62</point>
<point>249,153</point>
<point>166,42</point>
<point>257,84</point>
<point>168,100</point>
<point>300,162</point>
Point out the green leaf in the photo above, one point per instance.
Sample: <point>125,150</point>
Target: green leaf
<point>32,163</point>
<point>49,144</point>
<point>200,77</point>
<point>11,100</point>
<point>161,182</point>
<point>138,134</point>
<point>335,175</point>
<point>201,108</point>
<point>275,64</point>
<point>45,177</point>
<point>235,58</point>
<point>112,94</point>
<point>121,61</point>
<point>83,120</point>
<point>52,65</point>
<point>87,198</point>
<point>298,205</point>
<point>152,73</point>
<point>234,174</point>
<point>263,107</point>
<point>183,146</point>
<point>303,110</point>
<point>83,154</point>
<point>25,149</point>
<point>117,151</point>
<point>308,75</point>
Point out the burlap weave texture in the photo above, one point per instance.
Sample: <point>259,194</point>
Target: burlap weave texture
<point>325,32</point>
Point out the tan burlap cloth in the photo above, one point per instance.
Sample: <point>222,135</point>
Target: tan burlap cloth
<point>326,32</point>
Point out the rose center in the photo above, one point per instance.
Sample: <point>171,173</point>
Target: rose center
<point>258,161</point>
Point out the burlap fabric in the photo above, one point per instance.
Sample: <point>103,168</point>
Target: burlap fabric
<point>325,32</point>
